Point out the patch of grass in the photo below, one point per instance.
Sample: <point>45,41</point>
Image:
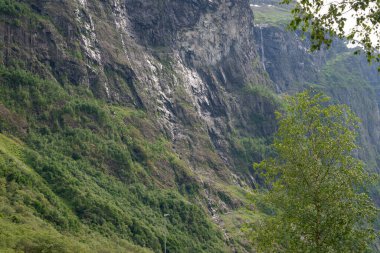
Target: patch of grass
<point>261,91</point>
<point>275,15</point>
<point>34,235</point>
<point>12,8</point>
<point>15,13</point>
<point>341,71</point>
<point>235,222</point>
<point>251,149</point>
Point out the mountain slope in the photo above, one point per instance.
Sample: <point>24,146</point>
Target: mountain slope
<point>114,114</point>
<point>123,115</point>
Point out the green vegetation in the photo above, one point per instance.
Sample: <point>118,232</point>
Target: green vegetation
<point>316,202</point>
<point>261,91</point>
<point>71,164</point>
<point>12,8</point>
<point>12,11</point>
<point>235,222</point>
<point>341,71</point>
<point>249,148</point>
<point>275,15</point>
<point>28,207</point>
<point>325,21</point>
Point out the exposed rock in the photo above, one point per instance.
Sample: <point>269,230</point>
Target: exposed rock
<point>186,63</point>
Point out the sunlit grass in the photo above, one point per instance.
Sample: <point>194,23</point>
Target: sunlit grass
<point>271,15</point>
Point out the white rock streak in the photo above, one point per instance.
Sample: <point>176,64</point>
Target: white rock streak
<point>90,41</point>
<point>121,23</point>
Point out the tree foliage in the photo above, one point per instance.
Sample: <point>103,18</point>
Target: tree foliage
<point>357,21</point>
<point>316,200</point>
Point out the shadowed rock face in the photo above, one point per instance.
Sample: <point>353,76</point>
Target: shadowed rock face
<point>158,22</point>
<point>286,57</point>
<point>184,62</point>
<point>190,65</point>
<point>209,46</point>
<point>213,35</point>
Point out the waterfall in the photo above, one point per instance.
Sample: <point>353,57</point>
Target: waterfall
<point>277,88</point>
<point>262,48</point>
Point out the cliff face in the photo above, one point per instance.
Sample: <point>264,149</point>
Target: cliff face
<point>185,62</point>
<point>138,120</point>
<point>286,57</point>
<point>123,111</point>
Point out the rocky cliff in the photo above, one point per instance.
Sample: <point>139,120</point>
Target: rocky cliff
<point>185,67</point>
<point>131,126</point>
<point>114,113</point>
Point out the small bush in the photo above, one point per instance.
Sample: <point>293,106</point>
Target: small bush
<point>12,8</point>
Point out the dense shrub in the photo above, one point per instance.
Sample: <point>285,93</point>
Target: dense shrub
<point>88,165</point>
<point>11,8</point>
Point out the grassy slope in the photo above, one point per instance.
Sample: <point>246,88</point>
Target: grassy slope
<point>276,15</point>
<point>85,165</point>
<point>21,191</point>
<point>95,176</point>
<point>84,175</point>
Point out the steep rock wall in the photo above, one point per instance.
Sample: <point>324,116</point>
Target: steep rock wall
<point>185,62</point>
<point>189,66</point>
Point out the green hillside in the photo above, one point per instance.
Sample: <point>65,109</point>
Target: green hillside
<point>82,172</point>
<point>129,125</point>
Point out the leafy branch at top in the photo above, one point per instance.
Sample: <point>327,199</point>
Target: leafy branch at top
<point>357,21</point>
